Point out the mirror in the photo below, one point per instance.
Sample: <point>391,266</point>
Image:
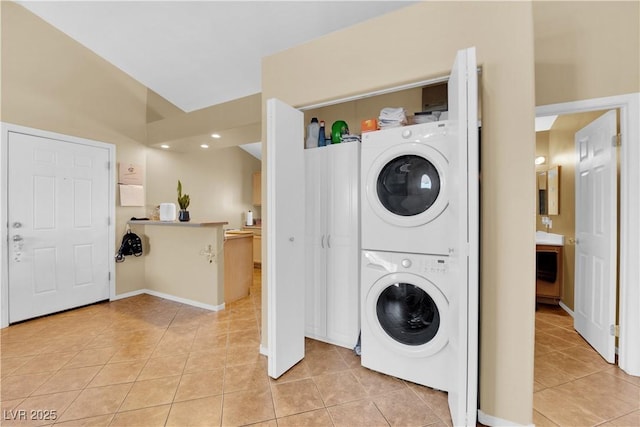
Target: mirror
<point>549,191</point>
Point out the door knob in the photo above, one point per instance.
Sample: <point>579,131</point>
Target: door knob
<point>17,238</point>
<point>291,239</point>
<point>17,224</point>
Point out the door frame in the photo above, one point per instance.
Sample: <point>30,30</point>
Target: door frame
<point>629,319</point>
<point>5,129</point>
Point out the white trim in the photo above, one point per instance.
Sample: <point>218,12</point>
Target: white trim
<point>170,298</point>
<point>413,85</point>
<point>128,295</point>
<point>5,128</point>
<point>377,92</point>
<point>185,300</point>
<point>490,420</point>
<point>629,105</point>
<point>264,350</point>
<point>565,308</point>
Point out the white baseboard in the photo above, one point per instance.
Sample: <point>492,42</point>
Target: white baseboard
<point>264,350</point>
<point>490,420</point>
<point>128,294</point>
<point>565,308</point>
<point>170,298</point>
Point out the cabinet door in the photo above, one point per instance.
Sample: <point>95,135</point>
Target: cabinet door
<point>257,250</point>
<point>316,243</point>
<point>343,282</point>
<point>285,237</point>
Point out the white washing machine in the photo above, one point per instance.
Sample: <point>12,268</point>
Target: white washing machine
<point>410,182</point>
<point>408,316</point>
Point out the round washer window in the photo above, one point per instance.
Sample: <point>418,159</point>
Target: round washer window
<point>408,314</point>
<point>408,185</point>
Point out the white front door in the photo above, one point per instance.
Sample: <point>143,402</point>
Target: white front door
<point>596,228</point>
<point>285,236</point>
<point>58,218</point>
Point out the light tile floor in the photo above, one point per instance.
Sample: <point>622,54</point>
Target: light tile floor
<point>573,385</point>
<point>146,361</point>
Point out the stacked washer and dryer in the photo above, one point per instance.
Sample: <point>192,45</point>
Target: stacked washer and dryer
<point>419,261</point>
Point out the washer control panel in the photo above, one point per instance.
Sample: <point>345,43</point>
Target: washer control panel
<point>436,265</point>
<point>427,264</point>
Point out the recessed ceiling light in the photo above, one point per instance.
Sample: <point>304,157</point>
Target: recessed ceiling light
<point>165,146</point>
<point>204,146</point>
<point>215,135</point>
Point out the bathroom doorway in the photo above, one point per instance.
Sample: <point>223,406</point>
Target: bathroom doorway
<point>572,117</point>
<point>562,208</point>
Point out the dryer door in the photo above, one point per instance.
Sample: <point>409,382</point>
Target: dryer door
<point>407,185</point>
<point>409,313</point>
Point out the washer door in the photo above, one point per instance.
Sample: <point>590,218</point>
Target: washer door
<point>406,185</point>
<point>408,312</point>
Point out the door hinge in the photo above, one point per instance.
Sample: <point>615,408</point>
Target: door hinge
<point>109,276</point>
<point>108,165</point>
<point>614,330</point>
<point>616,140</point>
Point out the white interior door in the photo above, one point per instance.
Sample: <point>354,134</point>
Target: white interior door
<point>285,237</point>
<point>596,228</point>
<point>58,217</point>
<point>463,111</point>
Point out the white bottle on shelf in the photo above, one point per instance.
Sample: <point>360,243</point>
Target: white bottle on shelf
<point>313,129</point>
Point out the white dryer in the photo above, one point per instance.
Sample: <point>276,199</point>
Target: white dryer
<point>410,181</point>
<point>408,316</point>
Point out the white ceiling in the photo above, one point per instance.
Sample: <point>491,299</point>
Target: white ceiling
<point>201,53</point>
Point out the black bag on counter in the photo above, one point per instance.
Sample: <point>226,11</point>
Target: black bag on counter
<point>131,245</point>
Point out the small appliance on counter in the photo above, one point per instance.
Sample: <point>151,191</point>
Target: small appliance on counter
<point>167,211</point>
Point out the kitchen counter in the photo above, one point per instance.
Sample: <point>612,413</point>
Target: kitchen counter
<point>237,234</point>
<point>257,243</point>
<point>238,264</point>
<point>179,224</point>
<point>184,261</point>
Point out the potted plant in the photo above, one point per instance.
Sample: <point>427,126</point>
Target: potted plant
<point>183,201</point>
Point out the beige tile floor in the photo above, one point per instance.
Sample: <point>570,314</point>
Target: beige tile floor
<point>573,385</point>
<point>146,361</point>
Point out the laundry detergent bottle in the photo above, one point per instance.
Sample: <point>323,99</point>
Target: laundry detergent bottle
<point>313,129</point>
<point>321,136</point>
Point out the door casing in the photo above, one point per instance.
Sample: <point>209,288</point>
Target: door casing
<point>629,106</point>
<point>5,128</point>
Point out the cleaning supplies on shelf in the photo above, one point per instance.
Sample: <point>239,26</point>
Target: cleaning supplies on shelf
<point>321,135</point>
<point>313,130</point>
<point>338,129</point>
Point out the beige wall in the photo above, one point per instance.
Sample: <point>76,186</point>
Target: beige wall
<point>219,182</point>
<point>586,49</point>
<point>424,41</point>
<point>51,82</point>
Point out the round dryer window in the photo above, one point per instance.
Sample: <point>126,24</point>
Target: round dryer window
<point>408,185</point>
<point>408,314</point>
